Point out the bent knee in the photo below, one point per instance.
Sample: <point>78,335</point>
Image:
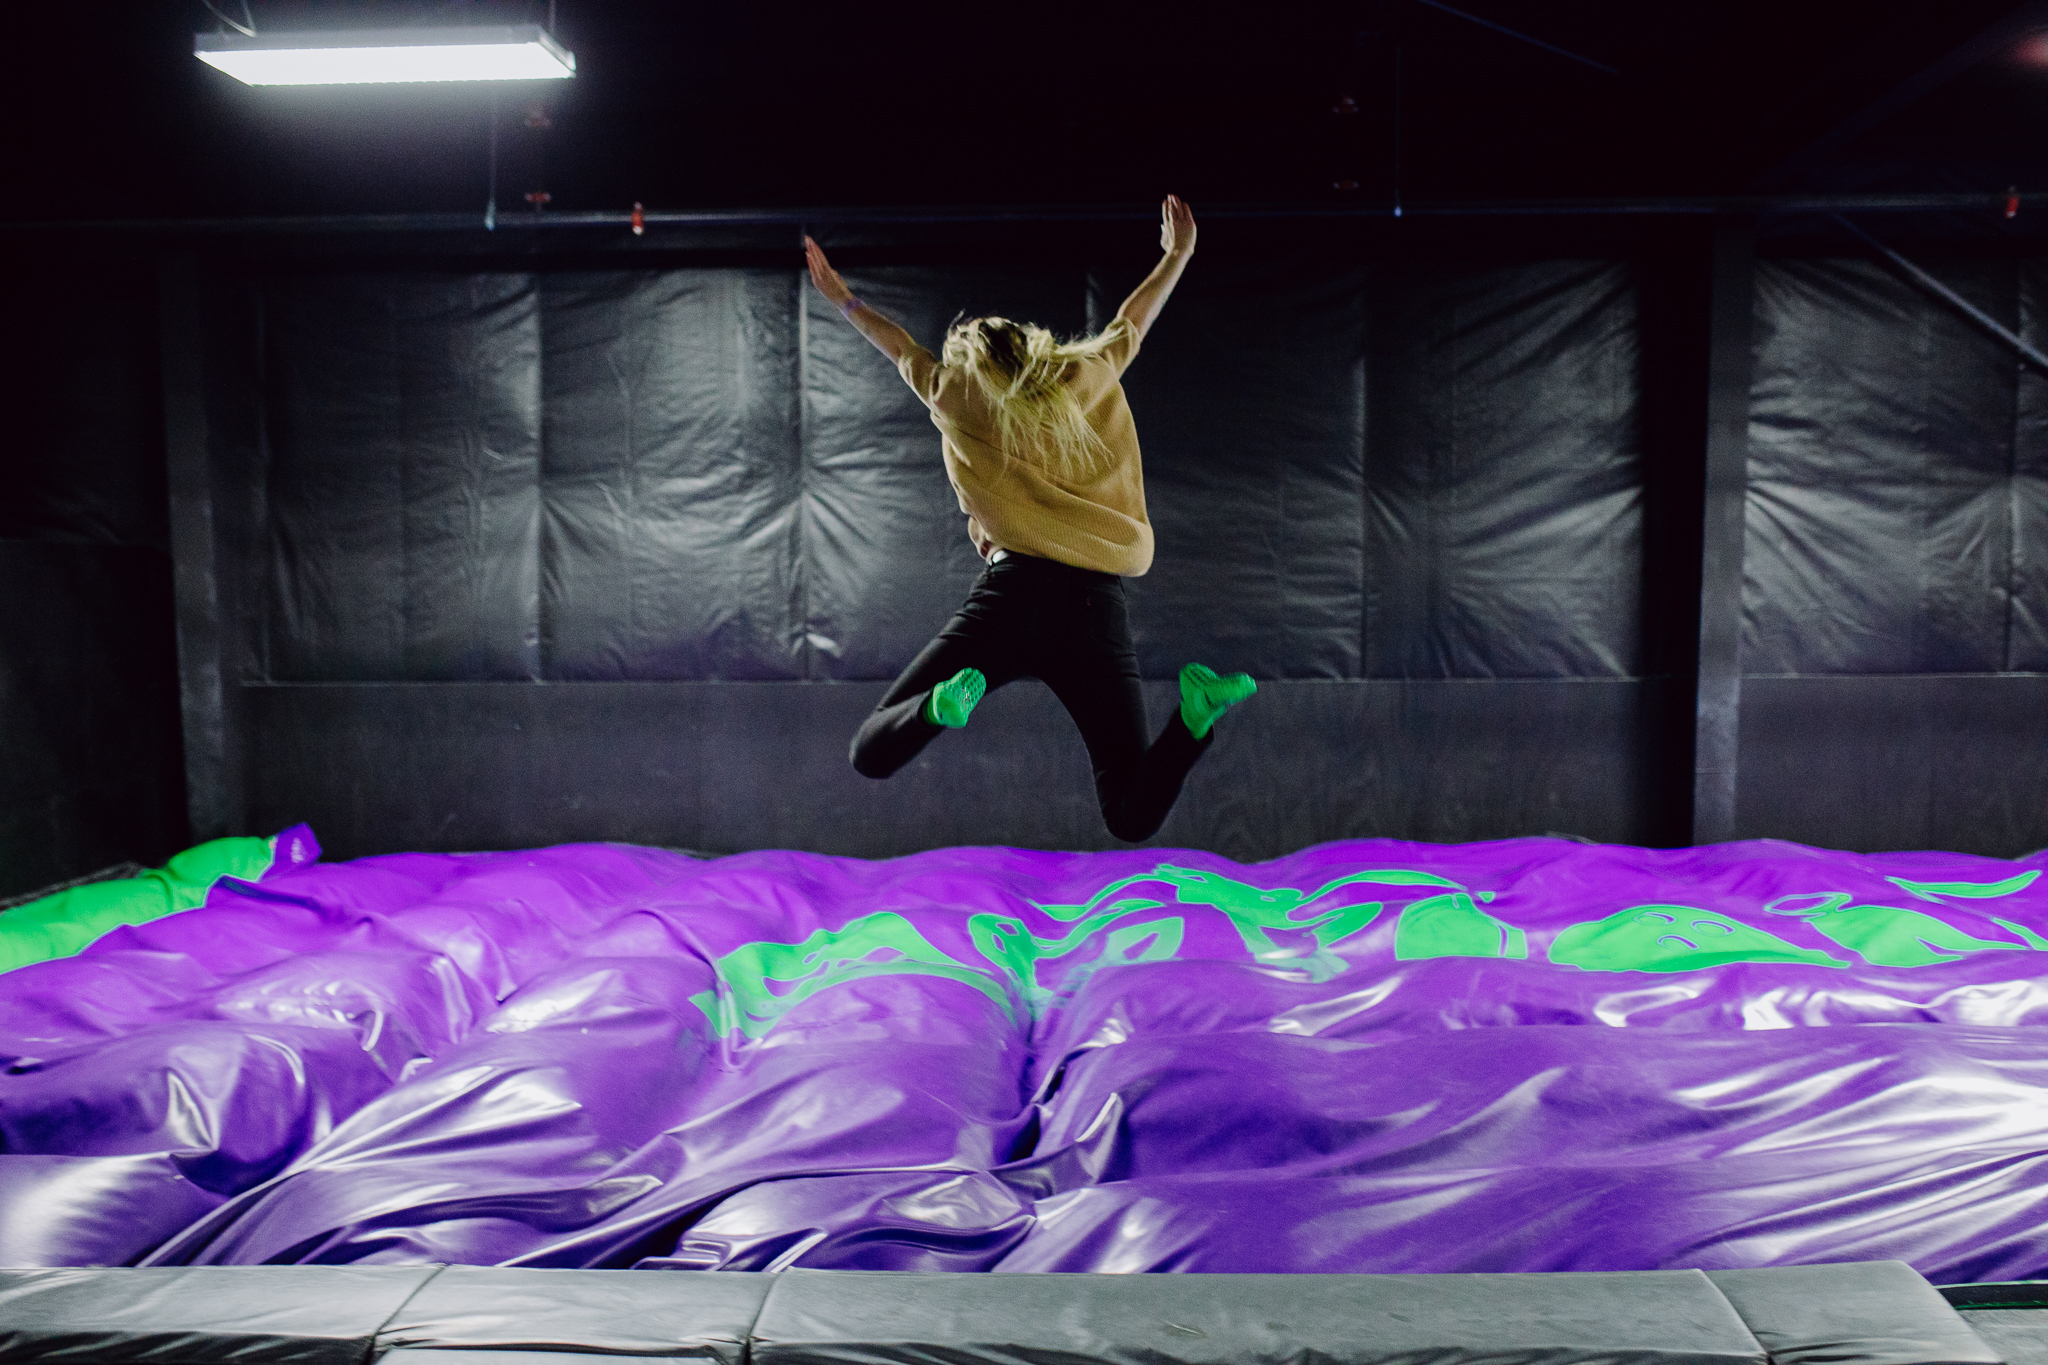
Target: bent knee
<point>867,763</point>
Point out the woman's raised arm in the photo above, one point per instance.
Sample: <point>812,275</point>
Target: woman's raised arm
<point>891,340</point>
<point>1177,240</point>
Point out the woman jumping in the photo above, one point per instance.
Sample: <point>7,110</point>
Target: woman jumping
<point>1040,447</point>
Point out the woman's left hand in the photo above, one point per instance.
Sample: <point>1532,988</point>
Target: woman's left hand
<point>824,276</point>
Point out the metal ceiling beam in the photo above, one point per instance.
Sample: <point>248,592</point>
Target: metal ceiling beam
<point>1682,206</point>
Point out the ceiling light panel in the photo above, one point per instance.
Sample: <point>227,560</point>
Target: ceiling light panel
<point>517,52</point>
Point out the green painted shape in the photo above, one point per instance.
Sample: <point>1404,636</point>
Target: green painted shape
<point>2032,939</point>
<point>763,981</point>
<point>1015,951</point>
<point>1934,891</point>
<point>1156,940</point>
<point>1068,913</point>
<point>1255,912</point>
<point>1673,938</point>
<point>1822,902</point>
<point>760,982</point>
<point>1452,926</point>
<point>1892,936</point>
<point>1888,936</point>
<point>67,923</point>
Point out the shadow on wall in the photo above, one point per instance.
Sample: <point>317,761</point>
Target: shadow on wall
<point>91,766</point>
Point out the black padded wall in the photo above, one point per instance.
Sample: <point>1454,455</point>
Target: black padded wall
<point>1505,526</point>
<point>516,556</point>
<point>673,459</point>
<point>89,747</point>
<point>700,493</point>
<point>90,769</point>
<point>1894,484</point>
<point>1895,600</point>
<point>705,475</point>
<point>402,492</point>
<point>84,447</point>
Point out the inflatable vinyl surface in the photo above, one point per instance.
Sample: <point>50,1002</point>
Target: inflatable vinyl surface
<point>1367,1057</point>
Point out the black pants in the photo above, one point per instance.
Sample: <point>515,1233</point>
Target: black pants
<point>1037,618</point>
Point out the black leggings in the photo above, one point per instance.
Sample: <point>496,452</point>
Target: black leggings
<point>1029,617</point>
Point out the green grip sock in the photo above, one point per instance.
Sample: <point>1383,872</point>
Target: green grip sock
<point>953,701</point>
<point>1205,696</point>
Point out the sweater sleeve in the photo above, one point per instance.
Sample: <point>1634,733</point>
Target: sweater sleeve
<point>1123,344</point>
<point>920,370</point>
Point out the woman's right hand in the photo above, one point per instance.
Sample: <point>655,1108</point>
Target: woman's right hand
<point>824,276</point>
<point>1176,227</point>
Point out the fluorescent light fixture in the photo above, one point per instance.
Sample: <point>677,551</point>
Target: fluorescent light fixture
<point>511,52</point>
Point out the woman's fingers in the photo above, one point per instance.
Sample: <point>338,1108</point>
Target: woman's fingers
<point>823,275</point>
<point>1176,224</point>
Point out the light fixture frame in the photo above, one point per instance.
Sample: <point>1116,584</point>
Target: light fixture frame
<point>208,46</point>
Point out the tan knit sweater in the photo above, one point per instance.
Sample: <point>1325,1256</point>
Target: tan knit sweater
<point>1095,523</point>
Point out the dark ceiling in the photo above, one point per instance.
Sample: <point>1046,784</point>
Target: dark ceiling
<point>693,105</point>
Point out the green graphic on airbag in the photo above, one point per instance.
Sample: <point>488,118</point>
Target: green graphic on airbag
<point>1299,932</point>
<point>1452,926</point>
<point>882,944</point>
<point>1887,935</point>
<point>1934,891</point>
<point>1673,938</point>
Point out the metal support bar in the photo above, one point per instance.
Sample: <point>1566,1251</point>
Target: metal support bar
<point>1718,699</point>
<point>2027,349</point>
<point>1505,31</point>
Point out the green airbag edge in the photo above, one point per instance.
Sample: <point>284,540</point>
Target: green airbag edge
<point>64,924</point>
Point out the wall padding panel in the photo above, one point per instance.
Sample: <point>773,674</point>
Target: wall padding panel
<point>91,771</point>
<point>1504,477</point>
<point>1895,476</point>
<point>404,477</point>
<point>707,474</point>
<point>671,536</point>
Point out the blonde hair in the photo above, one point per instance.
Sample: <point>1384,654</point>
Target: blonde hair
<point>1021,370</point>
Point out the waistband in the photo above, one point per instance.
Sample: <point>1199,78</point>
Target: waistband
<point>1016,561</point>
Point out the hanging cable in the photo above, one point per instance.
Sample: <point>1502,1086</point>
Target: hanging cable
<point>1505,31</point>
